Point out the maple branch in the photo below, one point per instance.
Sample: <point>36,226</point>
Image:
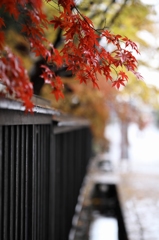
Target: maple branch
<point>96,14</point>
<point>58,39</point>
<point>104,12</point>
<point>96,30</point>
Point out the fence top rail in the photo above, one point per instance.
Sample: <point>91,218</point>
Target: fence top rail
<point>40,106</point>
<point>65,122</point>
<point>12,112</point>
<point>63,119</point>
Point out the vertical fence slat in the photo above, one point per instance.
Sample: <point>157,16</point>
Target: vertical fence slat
<point>57,188</point>
<point>78,159</point>
<point>1,178</point>
<point>30,181</point>
<point>70,208</point>
<point>26,182</point>
<point>74,187</point>
<point>17,195</point>
<point>46,177</point>
<point>22,180</point>
<point>43,179</point>
<point>64,180</point>
<point>6,186</point>
<point>52,174</point>
<point>42,182</point>
<point>38,181</point>
<point>12,182</point>
<point>34,182</point>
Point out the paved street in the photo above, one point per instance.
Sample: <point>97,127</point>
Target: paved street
<point>139,183</point>
<point>139,194</point>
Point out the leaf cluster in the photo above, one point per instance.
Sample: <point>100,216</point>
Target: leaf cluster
<point>81,53</point>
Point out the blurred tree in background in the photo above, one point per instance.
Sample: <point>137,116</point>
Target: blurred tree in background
<point>125,17</point>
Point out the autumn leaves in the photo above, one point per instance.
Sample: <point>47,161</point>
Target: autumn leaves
<point>81,52</point>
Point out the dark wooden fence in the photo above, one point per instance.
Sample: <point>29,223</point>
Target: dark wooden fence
<point>42,166</point>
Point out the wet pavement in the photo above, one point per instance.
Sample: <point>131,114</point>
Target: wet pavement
<point>139,196</point>
<point>137,184</point>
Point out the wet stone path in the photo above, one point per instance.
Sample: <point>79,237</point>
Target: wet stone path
<point>139,194</point>
<point>139,180</point>
<point>139,199</point>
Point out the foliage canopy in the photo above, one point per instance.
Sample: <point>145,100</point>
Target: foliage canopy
<point>81,53</point>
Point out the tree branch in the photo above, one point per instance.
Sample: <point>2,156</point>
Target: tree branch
<point>116,15</point>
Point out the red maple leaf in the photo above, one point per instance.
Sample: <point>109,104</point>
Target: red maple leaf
<point>118,83</point>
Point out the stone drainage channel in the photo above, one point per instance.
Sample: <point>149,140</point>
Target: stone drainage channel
<point>98,212</point>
